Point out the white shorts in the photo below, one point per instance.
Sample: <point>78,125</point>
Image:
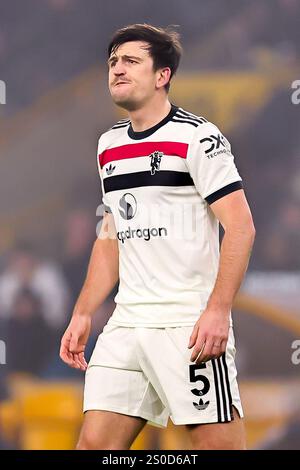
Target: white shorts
<point>147,372</point>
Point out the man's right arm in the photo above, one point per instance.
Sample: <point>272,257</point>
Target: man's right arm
<point>102,275</point>
<point>103,270</point>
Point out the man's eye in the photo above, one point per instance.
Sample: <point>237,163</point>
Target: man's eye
<point>132,61</point>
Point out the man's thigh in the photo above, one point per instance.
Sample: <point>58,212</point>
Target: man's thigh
<point>108,430</point>
<point>193,394</point>
<point>219,436</point>
<point>115,383</point>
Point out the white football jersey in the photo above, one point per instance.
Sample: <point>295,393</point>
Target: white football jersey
<point>159,184</point>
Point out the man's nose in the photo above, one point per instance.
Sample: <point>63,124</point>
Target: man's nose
<point>119,68</point>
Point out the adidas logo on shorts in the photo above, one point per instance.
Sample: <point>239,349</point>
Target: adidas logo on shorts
<point>201,405</point>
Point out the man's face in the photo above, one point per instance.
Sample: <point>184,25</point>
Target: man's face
<point>132,81</point>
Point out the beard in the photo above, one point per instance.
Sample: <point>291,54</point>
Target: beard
<point>126,103</point>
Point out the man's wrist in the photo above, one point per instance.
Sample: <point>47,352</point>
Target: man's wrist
<point>82,312</point>
<point>218,305</point>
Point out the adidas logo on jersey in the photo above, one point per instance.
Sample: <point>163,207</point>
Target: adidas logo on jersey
<point>201,405</point>
<point>110,170</point>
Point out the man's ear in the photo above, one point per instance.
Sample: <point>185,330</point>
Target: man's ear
<point>164,76</point>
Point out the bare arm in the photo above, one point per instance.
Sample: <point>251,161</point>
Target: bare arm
<point>102,275</point>
<point>210,333</point>
<point>103,270</point>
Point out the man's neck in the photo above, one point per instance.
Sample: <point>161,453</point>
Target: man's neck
<point>149,115</point>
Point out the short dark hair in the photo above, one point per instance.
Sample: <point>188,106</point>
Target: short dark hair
<point>164,44</point>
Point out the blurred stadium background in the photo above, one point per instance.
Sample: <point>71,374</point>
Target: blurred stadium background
<point>240,60</point>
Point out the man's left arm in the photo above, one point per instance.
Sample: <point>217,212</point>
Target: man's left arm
<point>210,334</point>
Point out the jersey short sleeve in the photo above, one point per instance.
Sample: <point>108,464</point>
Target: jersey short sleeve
<point>211,163</point>
<point>100,170</point>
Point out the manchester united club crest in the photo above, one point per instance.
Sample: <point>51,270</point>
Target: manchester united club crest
<point>155,161</point>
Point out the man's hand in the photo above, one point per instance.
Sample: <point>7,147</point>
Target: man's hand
<point>74,341</point>
<point>209,336</point>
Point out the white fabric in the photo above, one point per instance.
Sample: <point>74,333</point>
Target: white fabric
<point>167,269</point>
<point>147,372</point>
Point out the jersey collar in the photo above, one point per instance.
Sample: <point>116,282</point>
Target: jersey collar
<point>146,133</point>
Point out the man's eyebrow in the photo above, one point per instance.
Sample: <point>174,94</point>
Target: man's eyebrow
<point>132,57</point>
<point>125,57</point>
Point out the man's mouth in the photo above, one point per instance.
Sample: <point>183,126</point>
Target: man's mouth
<point>121,83</point>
